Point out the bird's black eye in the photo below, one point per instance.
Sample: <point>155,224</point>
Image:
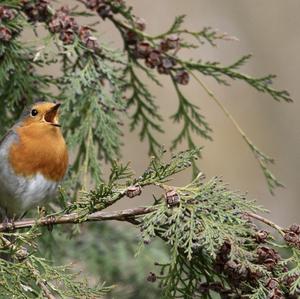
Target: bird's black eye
<point>34,112</point>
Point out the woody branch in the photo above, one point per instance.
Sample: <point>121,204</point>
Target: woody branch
<point>128,215</point>
<point>122,215</point>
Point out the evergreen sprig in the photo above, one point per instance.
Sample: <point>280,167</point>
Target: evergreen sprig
<point>193,122</point>
<point>94,126</point>
<point>218,72</point>
<point>146,111</point>
<point>122,183</point>
<point>19,81</point>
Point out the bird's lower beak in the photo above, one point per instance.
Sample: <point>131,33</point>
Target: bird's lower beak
<point>51,115</point>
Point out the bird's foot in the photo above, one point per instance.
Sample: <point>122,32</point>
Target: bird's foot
<point>50,221</point>
<point>8,223</point>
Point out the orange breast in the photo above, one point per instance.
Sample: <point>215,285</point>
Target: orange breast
<point>40,149</point>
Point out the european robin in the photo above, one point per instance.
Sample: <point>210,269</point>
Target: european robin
<point>33,160</point>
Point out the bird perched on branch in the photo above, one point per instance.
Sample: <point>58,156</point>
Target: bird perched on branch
<point>33,160</point>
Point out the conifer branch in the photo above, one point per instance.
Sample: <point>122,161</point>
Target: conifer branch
<point>128,215</point>
<point>262,158</point>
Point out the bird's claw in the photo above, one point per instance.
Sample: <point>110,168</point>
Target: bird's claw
<point>8,224</point>
<point>50,220</point>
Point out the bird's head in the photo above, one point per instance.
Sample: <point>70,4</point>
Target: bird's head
<point>44,113</point>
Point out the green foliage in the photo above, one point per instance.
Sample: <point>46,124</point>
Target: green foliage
<point>109,252</point>
<point>193,122</point>
<point>106,194</point>
<point>146,111</point>
<point>293,261</point>
<point>218,72</point>
<point>29,275</point>
<point>19,81</point>
<point>90,110</point>
<point>207,216</point>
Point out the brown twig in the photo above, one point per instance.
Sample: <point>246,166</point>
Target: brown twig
<point>41,283</point>
<point>21,254</point>
<point>128,215</point>
<point>267,222</point>
<point>122,215</point>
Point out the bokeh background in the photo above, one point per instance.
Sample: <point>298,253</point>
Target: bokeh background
<point>270,30</point>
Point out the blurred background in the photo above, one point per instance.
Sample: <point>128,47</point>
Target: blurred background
<point>270,30</point>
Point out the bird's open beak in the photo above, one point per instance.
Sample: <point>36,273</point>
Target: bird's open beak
<point>51,116</point>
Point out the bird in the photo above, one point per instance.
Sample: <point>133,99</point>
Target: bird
<point>33,160</point>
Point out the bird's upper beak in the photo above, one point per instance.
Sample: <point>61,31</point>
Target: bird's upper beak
<point>51,115</point>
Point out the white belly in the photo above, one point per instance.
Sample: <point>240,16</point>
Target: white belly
<point>23,194</point>
<point>19,194</point>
